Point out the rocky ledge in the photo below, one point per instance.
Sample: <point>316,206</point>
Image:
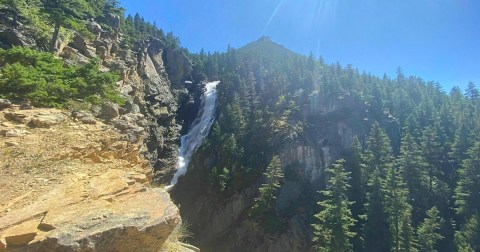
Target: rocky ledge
<point>74,185</point>
<point>115,211</point>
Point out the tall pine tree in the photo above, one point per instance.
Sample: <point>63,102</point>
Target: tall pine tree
<point>269,190</point>
<point>333,230</point>
<point>376,231</point>
<point>429,231</point>
<point>413,169</point>
<point>467,193</point>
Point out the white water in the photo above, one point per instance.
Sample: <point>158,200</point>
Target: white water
<point>198,131</point>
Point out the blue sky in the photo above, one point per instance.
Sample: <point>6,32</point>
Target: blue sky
<point>434,39</point>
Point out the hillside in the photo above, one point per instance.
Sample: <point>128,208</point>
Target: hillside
<point>407,147</point>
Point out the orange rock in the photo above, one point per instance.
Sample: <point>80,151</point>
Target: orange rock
<point>110,212</point>
<point>21,235</point>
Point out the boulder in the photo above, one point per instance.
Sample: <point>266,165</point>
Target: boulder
<point>94,27</point>
<point>14,132</point>
<point>132,126</point>
<point>110,212</point>
<point>14,37</point>
<point>112,20</point>
<point>73,56</point>
<point>18,116</point>
<point>25,105</point>
<point>4,103</point>
<point>109,111</point>
<point>82,46</point>
<point>46,120</point>
<point>89,120</point>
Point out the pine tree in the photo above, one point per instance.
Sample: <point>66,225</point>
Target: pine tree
<point>467,193</point>
<point>398,210</point>
<point>407,232</point>
<point>460,146</point>
<point>354,164</point>
<point>357,189</point>
<point>413,169</point>
<point>472,92</point>
<point>428,231</point>
<point>468,237</point>
<point>65,13</point>
<point>378,155</point>
<point>269,190</point>
<point>334,221</point>
<point>432,152</point>
<point>376,231</point>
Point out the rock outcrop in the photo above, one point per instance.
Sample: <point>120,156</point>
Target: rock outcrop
<point>109,212</point>
<point>12,30</point>
<point>161,91</point>
<point>70,184</point>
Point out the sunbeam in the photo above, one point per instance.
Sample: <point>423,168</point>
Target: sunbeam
<point>272,16</point>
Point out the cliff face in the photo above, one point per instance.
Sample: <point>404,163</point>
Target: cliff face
<point>146,72</point>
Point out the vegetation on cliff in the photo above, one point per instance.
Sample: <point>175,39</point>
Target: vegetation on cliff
<point>44,80</point>
<point>417,164</point>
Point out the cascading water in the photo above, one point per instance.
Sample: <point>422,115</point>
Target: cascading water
<point>198,131</point>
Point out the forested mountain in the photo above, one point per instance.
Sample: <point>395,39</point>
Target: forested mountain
<point>303,155</point>
<point>409,180</point>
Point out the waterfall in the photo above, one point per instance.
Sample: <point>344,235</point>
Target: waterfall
<point>198,131</point>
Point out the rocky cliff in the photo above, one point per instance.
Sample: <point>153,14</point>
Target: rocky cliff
<point>80,180</point>
<point>162,94</point>
<point>74,185</point>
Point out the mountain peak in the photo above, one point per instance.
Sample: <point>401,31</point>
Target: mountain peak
<point>265,38</point>
<point>266,46</point>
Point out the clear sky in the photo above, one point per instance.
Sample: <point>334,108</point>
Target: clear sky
<point>434,39</point>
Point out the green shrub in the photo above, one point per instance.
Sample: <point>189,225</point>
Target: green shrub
<point>44,80</point>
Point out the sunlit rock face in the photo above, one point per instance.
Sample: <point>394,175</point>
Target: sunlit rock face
<point>304,160</point>
<point>111,212</point>
<point>334,121</point>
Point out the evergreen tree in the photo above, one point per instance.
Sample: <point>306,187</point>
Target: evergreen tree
<point>354,165</point>
<point>467,193</point>
<point>407,233</point>
<point>413,169</point>
<point>467,238</point>
<point>432,152</point>
<point>357,189</point>
<point>472,92</point>
<point>269,190</point>
<point>460,146</point>
<point>428,231</point>
<point>398,210</point>
<point>378,155</point>
<point>334,221</point>
<point>377,235</point>
<point>65,13</point>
